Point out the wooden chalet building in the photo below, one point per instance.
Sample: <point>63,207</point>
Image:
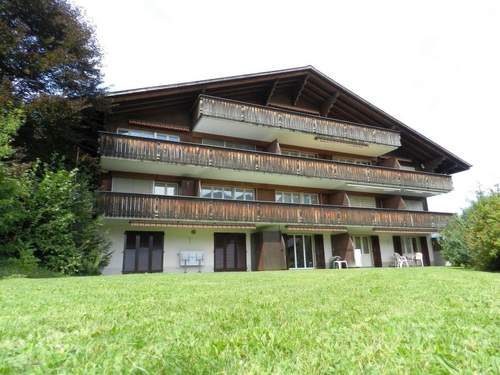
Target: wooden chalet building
<point>269,171</point>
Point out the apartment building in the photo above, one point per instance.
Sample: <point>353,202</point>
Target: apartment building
<point>270,171</point>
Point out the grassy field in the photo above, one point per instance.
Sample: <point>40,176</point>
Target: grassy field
<point>431,320</point>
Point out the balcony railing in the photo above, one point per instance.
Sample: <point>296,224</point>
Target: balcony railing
<point>178,208</point>
<point>123,146</point>
<point>320,126</point>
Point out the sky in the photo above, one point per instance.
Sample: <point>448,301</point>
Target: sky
<point>434,65</point>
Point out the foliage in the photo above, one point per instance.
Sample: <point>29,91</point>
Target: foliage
<point>50,62</point>
<point>63,232</point>
<point>375,321</point>
<point>13,190</point>
<point>454,247</point>
<point>482,233</point>
<point>47,48</point>
<point>473,238</point>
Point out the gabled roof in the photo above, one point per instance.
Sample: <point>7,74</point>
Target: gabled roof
<point>301,89</point>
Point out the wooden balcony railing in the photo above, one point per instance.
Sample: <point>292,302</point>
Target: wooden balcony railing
<point>178,208</point>
<point>123,146</point>
<point>260,115</point>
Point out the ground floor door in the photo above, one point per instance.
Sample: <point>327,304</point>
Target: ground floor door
<point>364,244</point>
<point>230,253</point>
<point>299,251</point>
<point>143,252</point>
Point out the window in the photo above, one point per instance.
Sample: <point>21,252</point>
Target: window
<point>299,154</point>
<point>352,161</point>
<point>226,192</point>
<point>300,251</point>
<point>164,188</point>
<point>414,205</point>
<point>149,134</point>
<point>363,243</point>
<point>228,144</point>
<point>362,201</point>
<point>410,245</point>
<point>291,197</point>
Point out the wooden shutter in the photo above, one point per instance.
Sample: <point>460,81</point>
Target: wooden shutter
<point>219,250</point>
<point>396,241</point>
<point>425,251</point>
<point>284,240</point>
<point>187,187</point>
<point>256,242</point>
<point>241,252</point>
<point>230,252</point>
<point>320,251</point>
<point>377,256</point>
<point>343,247</point>
<point>156,247</point>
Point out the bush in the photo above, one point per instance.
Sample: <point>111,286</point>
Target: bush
<point>473,238</point>
<point>454,248</point>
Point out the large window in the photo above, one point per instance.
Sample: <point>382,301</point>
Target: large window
<point>300,251</point>
<point>165,188</point>
<point>228,192</point>
<point>292,197</point>
<point>228,144</point>
<point>301,154</point>
<point>411,245</point>
<point>143,252</point>
<point>150,134</point>
<point>362,201</point>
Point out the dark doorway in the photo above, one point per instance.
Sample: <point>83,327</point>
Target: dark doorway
<point>230,252</point>
<point>143,252</point>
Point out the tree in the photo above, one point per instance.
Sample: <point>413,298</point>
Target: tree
<point>473,238</point>
<point>12,189</point>
<point>482,233</point>
<point>64,233</point>
<point>50,62</point>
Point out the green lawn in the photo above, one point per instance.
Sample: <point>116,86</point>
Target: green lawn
<point>431,320</point>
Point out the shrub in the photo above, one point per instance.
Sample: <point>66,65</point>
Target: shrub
<point>454,248</point>
<point>473,238</point>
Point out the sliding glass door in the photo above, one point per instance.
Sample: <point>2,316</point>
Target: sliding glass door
<point>300,251</point>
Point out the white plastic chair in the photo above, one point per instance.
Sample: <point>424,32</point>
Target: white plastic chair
<point>338,261</point>
<point>400,261</point>
<point>419,257</point>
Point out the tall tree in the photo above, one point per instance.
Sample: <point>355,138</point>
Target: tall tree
<point>50,61</point>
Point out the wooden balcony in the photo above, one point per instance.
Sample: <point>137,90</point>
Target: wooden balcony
<point>263,163</point>
<point>258,122</point>
<point>194,209</point>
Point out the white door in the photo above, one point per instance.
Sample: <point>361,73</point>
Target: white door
<point>364,244</point>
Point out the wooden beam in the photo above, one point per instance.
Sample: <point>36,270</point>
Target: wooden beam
<point>328,104</point>
<point>432,165</point>
<point>271,91</point>
<point>301,88</point>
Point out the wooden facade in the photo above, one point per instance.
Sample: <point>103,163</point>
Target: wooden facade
<point>176,208</point>
<point>122,146</point>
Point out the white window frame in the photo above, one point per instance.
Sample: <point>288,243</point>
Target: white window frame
<point>303,251</point>
<point>225,143</point>
<point>295,197</point>
<point>225,189</point>
<point>154,134</point>
<point>165,185</point>
<point>409,250</point>
<point>366,244</point>
<point>300,154</point>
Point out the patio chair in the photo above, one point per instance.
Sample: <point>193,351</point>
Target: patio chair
<point>338,261</point>
<point>419,257</point>
<point>400,261</point>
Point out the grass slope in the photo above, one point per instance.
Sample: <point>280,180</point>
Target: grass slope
<point>431,320</point>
